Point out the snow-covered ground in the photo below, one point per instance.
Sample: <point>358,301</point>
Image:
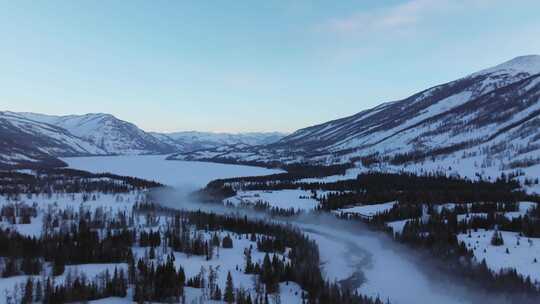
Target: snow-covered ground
<point>389,271</point>
<point>397,226</point>
<point>367,210</point>
<point>522,252</point>
<point>169,172</point>
<point>284,199</point>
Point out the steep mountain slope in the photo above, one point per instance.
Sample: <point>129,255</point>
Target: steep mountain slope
<point>487,120</point>
<point>431,109</point>
<point>28,142</point>
<point>192,140</point>
<point>108,133</point>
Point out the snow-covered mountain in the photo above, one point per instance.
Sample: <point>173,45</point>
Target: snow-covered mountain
<point>108,133</point>
<point>193,140</point>
<point>489,120</point>
<point>24,141</point>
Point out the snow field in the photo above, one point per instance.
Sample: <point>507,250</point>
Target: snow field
<point>522,252</point>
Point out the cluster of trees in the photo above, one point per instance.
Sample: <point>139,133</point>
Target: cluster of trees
<point>303,254</point>
<point>81,290</point>
<point>18,213</point>
<point>262,206</point>
<point>77,245</point>
<point>68,181</point>
<point>219,189</point>
<point>27,265</point>
<point>180,237</point>
<point>271,271</point>
<point>527,225</point>
<point>410,188</point>
<point>20,253</point>
<point>73,289</point>
<point>84,245</point>
<point>149,238</point>
<point>497,239</point>
<point>438,236</point>
<point>160,283</point>
<point>375,187</point>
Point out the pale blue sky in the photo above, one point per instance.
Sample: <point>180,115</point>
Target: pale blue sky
<point>246,65</point>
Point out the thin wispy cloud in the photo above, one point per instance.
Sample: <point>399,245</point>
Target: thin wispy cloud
<point>410,16</point>
<point>388,19</point>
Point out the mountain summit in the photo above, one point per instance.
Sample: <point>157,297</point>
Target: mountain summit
<point>485,123</point>
<point>108,133</point>
<point>529,64</point>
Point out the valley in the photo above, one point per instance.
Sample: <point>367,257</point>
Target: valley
<point>349,250</point>
<point>270,152</point>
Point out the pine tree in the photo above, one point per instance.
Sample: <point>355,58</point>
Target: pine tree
<point>249,264</point>
<point>227,242</point>
<point>28,292</point>
<point>497,239</point>
<point>58,266</point>
<point>229,289</point>
<point>39,292</point>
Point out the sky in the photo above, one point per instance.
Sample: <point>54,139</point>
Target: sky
<point>241,66</point>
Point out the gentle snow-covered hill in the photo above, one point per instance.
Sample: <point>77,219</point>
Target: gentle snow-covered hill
<point>486,120</point>
<point>112,135</point>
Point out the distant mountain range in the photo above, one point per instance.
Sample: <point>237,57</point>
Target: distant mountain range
<point>31,139</point>
<point>484,123</point>
<point>189,141</point>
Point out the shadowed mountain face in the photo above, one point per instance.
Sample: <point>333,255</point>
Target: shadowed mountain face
<point>492,115</point>
<point>18,148</point>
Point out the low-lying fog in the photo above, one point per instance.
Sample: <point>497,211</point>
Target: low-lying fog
<point>358,256</point>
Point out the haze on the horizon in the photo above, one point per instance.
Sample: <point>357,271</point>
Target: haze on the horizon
<point>244,65</point>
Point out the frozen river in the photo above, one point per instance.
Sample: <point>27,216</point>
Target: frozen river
<point>169,172</point>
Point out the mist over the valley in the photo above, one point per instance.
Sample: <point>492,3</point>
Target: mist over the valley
<point>355,255</point>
